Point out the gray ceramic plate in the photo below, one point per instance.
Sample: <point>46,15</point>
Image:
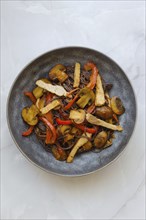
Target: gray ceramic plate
<point>32,149</point>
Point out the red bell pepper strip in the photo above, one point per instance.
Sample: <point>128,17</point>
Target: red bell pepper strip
<point>81,127</point>
<point>28,132</point>
<point>86,129</point>
<point>68,106</point>
<point>51,126</point>
<point>49,97</point>
<point>48,136</point>
<point>49,116</point>
<point>91,108</point>
<point>63,122</point>
<point>31,96</point>
<point>94,74</point>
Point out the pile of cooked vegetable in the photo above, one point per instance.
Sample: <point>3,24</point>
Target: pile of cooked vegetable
<point>72,111</point>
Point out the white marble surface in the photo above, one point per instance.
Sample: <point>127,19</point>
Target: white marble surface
<point>114,28</point>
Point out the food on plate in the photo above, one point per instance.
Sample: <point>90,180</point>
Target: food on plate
<point>104,112</point>
<point>77,75</point>
<point>72,111</point>
<point>100,139</point>
<point>100,96</point>
<point>117,105</point>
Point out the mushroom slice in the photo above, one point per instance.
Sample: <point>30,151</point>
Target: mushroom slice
<point>96,121</point>
<point>58,90</point>
<point>100,139</point>
<point>104,112</point>
<point>117,105</point>
<point>99,97</point>
<point>58,72</point>
<point>77,115</point>
<point>29,115</point>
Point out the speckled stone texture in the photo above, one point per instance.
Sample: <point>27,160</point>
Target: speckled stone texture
<point>32,149</point>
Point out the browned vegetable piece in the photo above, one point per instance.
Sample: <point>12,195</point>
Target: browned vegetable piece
<point>108,100</point>
<point>78,115</point>
<point>68,137</point>
<point>83,140</point>
<point>108,143</point>
<point>76,131</point>
<point>57,72</point>
<point>45,80</point>
<point>86,147</point>
<point>52,105</point>
<point>117,105</point>
<point>64,129</point>
<point>99,97</point>
<point>96,121</point>
<point>59,153</point>
<point>104,112</point>
<point>29,115</point>
<point>55,89</point>
<point>110,121</point>
<point>87,96</point>
<point>38,92</point>
<point>40,102</point>
<point>101,139</point>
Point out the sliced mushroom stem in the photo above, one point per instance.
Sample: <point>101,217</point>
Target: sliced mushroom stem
<point>80,143</point>
<point>96,121</point>
<point>99,98</point>
<point>78,115</point>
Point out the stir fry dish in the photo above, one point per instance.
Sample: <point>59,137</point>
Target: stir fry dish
<point>72,111</point>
